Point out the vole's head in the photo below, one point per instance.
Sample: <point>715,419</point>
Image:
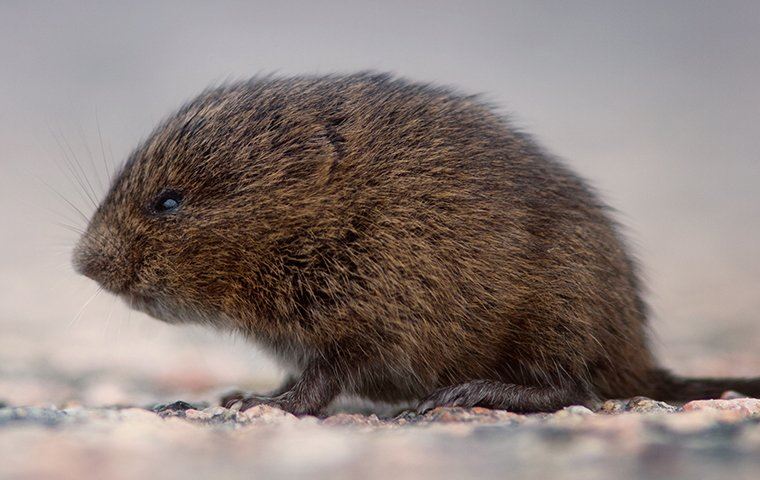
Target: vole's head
<point>209,212</point>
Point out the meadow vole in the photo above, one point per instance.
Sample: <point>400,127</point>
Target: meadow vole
<point>394,240</point>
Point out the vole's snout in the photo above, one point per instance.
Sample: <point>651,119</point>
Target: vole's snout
<point>97,261</point>
<point>84,260</point>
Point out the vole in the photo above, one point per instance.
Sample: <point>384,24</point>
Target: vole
<point>394,240</point>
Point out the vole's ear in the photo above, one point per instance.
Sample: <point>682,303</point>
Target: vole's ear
<point>334,144</point>
<point>323,152</point>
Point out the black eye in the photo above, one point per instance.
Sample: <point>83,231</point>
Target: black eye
<point>167,202</point>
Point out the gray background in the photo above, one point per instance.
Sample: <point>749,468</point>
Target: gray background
<point>657,103</point>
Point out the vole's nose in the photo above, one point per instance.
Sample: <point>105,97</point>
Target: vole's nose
<point>104,261</point>
<point>87,261</point>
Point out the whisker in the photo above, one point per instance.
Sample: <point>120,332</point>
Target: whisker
<point>113,159</point>
<point>66,200</point>
<point>70,228</point>
<point>109,173</point>
<point>110,314</point>
<point>91,158</point>
<point>93,196</point>
<point>81,310</point>
<point>72,175</point>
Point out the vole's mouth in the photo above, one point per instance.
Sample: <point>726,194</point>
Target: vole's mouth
<point>169,310</point>
<point>154,306</point>
<point>135,301</point>
<point>144,303</point>
<point>117,288</point>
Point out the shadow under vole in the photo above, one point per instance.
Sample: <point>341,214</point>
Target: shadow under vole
<point>393,240</point>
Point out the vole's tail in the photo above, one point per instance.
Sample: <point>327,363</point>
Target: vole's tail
<point>681,389</point>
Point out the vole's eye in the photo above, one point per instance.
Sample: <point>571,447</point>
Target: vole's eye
<point>167,202</point>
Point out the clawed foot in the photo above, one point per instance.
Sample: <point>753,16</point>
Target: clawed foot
<point>284,401</point>
<point>508,396</point>
<point>465,395</point>
<point>314,390</point>
<point>230,399</point>
<point>281,401</point>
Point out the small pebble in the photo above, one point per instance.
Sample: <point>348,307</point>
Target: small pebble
<point>744,407</point>
<point>613,406</point>
<point>577,410</point>
<point>178,406</point>
<point>352,419</point>
<point>214,411</point>
<point>647,405</point>
<point>732,395</point>
<point>267,414</point>
<point>197,415</point>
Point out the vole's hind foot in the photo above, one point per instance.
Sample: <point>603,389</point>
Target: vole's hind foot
<point>504,396</point>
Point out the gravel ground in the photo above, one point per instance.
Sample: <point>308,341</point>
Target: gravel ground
<point>76,405</point>
<point>639,438</point>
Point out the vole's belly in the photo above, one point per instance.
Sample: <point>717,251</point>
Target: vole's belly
<point>291,356</point>
<point>389,380</point>
<point>378,381</point>
<point>389,388</point>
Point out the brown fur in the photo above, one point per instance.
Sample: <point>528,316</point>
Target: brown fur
<point>395,240</point>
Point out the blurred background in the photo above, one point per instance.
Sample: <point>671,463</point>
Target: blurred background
<point>657,103</point>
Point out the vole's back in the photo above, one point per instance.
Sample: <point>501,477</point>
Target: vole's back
<point>460,250</point>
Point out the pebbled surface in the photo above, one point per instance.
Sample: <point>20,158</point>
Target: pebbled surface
<point>627,439</point>
<point>122,410</point>
<point>144,404</point>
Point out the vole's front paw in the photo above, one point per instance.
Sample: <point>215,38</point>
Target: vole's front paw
<point>230,399</point>
<point>285,401</point>
<point>253,400</point>
<point>246,401</point>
